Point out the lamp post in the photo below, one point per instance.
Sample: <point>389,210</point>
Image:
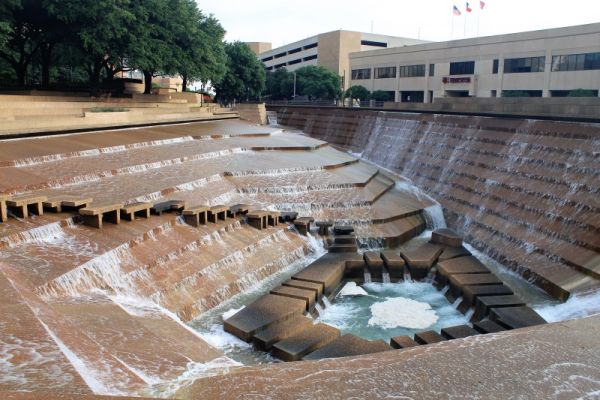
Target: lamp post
<point>294,96</point>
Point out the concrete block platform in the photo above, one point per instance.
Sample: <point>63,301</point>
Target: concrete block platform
<point>327,271</point>
<point>302,343</point>
<point>64,203</point>
<point>3,210</point>
<point>472,293</point>
<point>420,260</point>
<point>460,265</point>
<point>348,345</point>
<point>307,295</point>
<point>458,282</point>
<point>459,331</point>
<point>324,227</point>
<point>485,304</point>
<point>216,213</point>
<point>264,340</point>
<point>487,326</point>
<point>428,337</point>
<point>257,219</point>
<point>453,252</point>
<point>394,264</point>
<point>22,206</point>
<point>303,224</point>
<point>374,263</point>
<point>94,216</point>
<point>167,206</point>
<point>196,215</point>
<point>446,237</point>
<point>402,342</point>
<point>262,314</point>
<point>344,239</point>
<point>343,248</point>
<point>343,230</point>
<point>317,288</point>
<point>130,211</point>
<point>516,317</point>
<point>237,209</point>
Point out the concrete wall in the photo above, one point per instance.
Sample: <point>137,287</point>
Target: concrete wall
<point>255,113</point>
<point>525,192</point>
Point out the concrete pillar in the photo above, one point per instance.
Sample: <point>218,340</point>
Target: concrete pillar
<point>547,72</point>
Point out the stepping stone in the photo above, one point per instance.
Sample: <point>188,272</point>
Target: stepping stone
<point>140,209</point>
<point>344,239</point>
<point>348,345</point>
<point>324,227</point>
<point>457,332</point>
<point>308,296</point>
<point>3,210</point>
<point>343,248</point>
<point>486,303</point>
<point>262,314</point>
<point>257,219</point>
<point>217,212</point>
<point>287,216</point>
<point>343,230</point>
<point>273,218</point>
<point>516,317</point>
<point>420,260</point>
<point>302,343</point>
<point>487,326</point>
<point>264,340</point>
<point>52,205</point>
<point>94,216</point>
<point>317,288</point>
<point>196,215</point>
<point>453,252</point>
<point>472,293</point>
<point>428,337</point>
<point>461,265</point>
<point>458,281</point>
<point>237,209</point>
<point>74,202</point>
<point>327,271</point>
<point>394,264</point>
<point>23,205</point>
<point>446,237</point>
<point>303,225</point>
<point>374,263</point>
<point>402,342</point>
<point>167,206</point>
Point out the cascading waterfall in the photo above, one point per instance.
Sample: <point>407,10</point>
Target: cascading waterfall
<point>386,277</point>
<point>367,276</point>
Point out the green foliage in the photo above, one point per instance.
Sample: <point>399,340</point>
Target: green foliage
<point>318,82</point>
<point>107,109</point>
<point>244,78</point>
<point>357,92</point>
<point>382,95</point>
<point>582,93</point>
<point>280,84</point>
<point>514,93</point>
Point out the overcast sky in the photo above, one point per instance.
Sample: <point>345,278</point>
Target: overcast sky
<point>284,21</point>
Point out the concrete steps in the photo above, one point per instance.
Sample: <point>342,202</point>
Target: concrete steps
<point>296,346</point>
<point>348,345</point>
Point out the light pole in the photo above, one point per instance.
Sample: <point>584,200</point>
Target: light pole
<point>294,97</point>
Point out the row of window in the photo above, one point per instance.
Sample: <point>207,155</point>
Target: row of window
<point>293,51</point>
<point>573,62</point>
<point>293,62</point>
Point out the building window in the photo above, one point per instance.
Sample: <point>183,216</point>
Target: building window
<point>385,72</point>
<point>296,50</point>
<point>495,68</point>
<point>462,68</point>
<point>313,57</point>
<point>407,71</point>
<point>522,93</point>
<point>297,61</point>
<point>528,64</point>
<point>372,43</point>
<point>363,73</point>
<point>412,96</point>
<point>267,59</point>
<point>310,46</point>
<point>576,62</point>
<point>431,69</point>
<point>280,65</point>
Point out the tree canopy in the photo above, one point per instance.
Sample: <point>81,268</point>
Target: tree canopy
<point>315,82</point>
<point>357,92</point>
<point>244,78</point>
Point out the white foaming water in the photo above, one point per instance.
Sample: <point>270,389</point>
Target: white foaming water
<point>367,277</point>
<point>577,306</point>
<point>352,289</point>
<point>402,312</point>
<point>434,216</point>
<point>386,277</point>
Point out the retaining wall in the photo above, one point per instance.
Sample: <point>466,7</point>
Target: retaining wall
<point>525,192</point>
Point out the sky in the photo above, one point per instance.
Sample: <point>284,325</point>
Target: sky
<point>285,21</point>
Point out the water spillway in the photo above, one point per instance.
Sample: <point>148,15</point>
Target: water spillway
<point>524,192</point>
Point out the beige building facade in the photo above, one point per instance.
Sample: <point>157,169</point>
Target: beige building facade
<point>545,63</point>
<point>331,50</point>
<point>259,47</point>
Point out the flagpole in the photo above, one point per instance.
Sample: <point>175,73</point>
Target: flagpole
<point>478,17</point>
<point>465,28</point>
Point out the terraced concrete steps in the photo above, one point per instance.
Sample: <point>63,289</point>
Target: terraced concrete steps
<point>428,337</point>
<point>327,271</point>
<point>486,303</point>
<point>420,260</point>
<point>459,265</point>
<point>457,332</point>
<point>402,342</point>
<point>264,340</point>
<point>487,326</point>
<point>516,317</point>
<point>348,345</point>
<point>307,295</point>
<point>458,281</point>
<point>304,342</point>
<point>471,293</point>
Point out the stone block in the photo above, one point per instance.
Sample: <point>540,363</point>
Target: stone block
<point>446,237</point>
<point>344,239</point>
<point>95,215</point>
<point>348,345</point>
<point>262,314</point>
<point>167,206</point>
<point>257,219</point>
<point>484,304</point>
<point>196,215</point>
<point>343,230</point>
<point>287,216</point>
<point>458,281</point>
<point>402,342</point>
<point>303,224</point>
<point>516,317</point>
<point>460,265</point>
<point>3,210</point>
<point>23,205</point>
<point>428,337</point>
<point>273,218</point>
<point>324,227</point>
<point>394,264</point>
<point>487,326</point>
<point>420,260</point>
<point>307,295</point>
<point>130,211</point>
<point>343,248</point>
<point>459,331</point>
<point>216,213</point>
<point>75,202</point>
<point>453,252</point>
<point>302,343</point>
<point>317,288</point>
<point>471,293</point>
<point>52,205</point>
<point>327,271</point>
<point>237,209</point>
<point>264,340</point>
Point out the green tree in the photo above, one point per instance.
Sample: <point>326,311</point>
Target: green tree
<point>382,95</point>
<point>357,92</point>
<point>318,82</point>
<point>280,84</point>
<point>582,93</point>
<point>245,75</point>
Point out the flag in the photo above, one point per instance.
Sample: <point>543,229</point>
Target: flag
<point>456,11</point>
<point>481,4</point>
<point>468,9</point>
